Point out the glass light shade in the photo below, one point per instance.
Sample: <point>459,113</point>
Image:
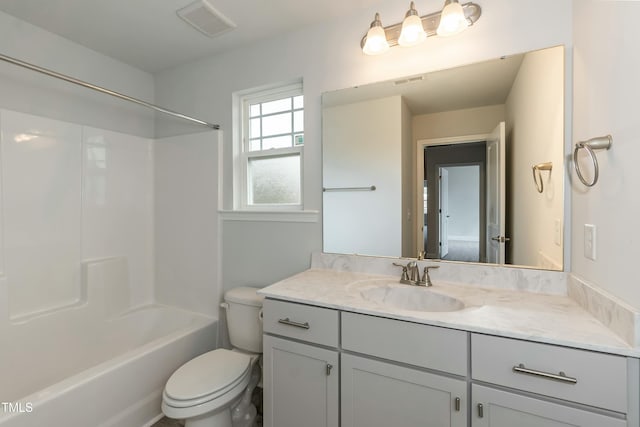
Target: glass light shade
<point>376,41</point>
<point>412,31</point>
<point>452,20</point>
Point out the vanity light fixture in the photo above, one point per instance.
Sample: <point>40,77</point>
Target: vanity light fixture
<point>412,30</point>
<point>375,42</point>
<point>452,19</point>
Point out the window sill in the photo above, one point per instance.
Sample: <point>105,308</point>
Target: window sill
<point>271,216</point>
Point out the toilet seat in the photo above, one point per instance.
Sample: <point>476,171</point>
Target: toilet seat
<point>206,378</point>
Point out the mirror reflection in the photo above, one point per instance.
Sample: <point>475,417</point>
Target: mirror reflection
<point>464,164</point>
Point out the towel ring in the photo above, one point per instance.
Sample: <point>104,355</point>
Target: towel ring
<point>548,166</point>
<point>599,143</point>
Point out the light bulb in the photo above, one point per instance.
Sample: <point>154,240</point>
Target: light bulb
<point>412,30</point>
<point>376,39</point>
<point>452,19</point>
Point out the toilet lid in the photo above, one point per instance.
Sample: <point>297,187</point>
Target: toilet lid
<point>207,374</point>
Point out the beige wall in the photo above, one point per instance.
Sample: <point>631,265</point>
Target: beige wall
<point>408,184</point>
<point>535,134</point>
<point>470,121</point>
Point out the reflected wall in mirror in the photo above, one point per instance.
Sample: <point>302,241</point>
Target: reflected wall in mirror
<point>451,156</point>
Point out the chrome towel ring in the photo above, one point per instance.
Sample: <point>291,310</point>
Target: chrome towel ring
<point>599,143</point>
<point>548,166</point>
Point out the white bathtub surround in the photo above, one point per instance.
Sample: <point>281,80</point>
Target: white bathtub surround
<point>186,221</point>
<point>614,313</point>
<point>117,204</point>
<point>41,193</point>
<point>77,313</point>
<point>71,193</point>
<point>84,376</point>
<point>552,319</point>
<point>486,276</point>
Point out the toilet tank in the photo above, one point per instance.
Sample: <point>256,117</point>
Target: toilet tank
<point>244,319</point>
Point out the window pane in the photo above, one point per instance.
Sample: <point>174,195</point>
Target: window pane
<point>274,180</point>
<point>298,139</point>
<point>276,106</point>
<point>298,102</point>
<point>298,121</point>
<point>254,145</point>
<point>278,124</point>
<point>254,110</point>
<point>254,132</point>
<point>276,142</point>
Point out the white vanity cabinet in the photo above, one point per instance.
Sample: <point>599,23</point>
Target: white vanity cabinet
<point>381,394</point>
<point>301,380</point>
<point>329,368</point>
<point>396,391</point>
<point>572,387</point>
<point>498,408</point>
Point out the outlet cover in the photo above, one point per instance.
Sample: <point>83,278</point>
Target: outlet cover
<point>590,241</point>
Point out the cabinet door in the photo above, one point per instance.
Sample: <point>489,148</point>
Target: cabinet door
<point>504,409</point>
<point>378,394</point>
<point>300,385</point>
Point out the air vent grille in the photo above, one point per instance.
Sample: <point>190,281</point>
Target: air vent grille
<point>202,16</point>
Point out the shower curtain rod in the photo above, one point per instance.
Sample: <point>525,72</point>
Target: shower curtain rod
<point>78,82</point>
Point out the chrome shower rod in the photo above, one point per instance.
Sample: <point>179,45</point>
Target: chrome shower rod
<point>78,82</point>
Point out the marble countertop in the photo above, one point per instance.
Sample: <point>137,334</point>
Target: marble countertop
<point>552,319</point>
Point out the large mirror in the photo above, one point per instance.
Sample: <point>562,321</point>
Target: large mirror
<point>465,164</point>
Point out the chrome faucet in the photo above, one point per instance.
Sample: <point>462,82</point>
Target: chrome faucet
<point>411,274</point>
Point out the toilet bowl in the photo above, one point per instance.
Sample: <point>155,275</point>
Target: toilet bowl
<point>205,390</point>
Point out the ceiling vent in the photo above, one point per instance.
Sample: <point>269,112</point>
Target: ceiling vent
<point>205,18</point>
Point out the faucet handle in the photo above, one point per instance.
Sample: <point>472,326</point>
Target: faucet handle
<point>405,272</point>
<point>425,274</point>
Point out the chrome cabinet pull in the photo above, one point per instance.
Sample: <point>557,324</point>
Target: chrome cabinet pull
<point>457,404</point>
<point>480,410</point>
<point>329,368</point>
<point>562,377</point>
<point>287,321</point>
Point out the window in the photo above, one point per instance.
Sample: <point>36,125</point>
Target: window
<point>270,160</point>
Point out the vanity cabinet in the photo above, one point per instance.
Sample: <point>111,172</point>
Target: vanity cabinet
<point>572,387</point>
<point>330,368</point>
<point>380,394</point>
<point>499,408</point>
<point>301,379</point>
<point>377,393</point>
<point>300,383</point>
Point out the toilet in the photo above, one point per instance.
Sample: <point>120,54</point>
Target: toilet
<point>214,389</point>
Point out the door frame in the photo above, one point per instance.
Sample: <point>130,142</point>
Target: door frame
<point>421,144</point>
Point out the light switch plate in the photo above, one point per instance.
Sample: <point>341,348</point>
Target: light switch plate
<point>557,232</point>
<point>590,241</point>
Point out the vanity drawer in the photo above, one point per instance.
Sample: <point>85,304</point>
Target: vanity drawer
<point>600,379</point>
<point>420,345</point>
<point>303,322</point>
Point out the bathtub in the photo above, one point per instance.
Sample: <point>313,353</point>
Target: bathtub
<point>74,370</point>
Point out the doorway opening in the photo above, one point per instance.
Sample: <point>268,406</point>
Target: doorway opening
<point>454,202</point>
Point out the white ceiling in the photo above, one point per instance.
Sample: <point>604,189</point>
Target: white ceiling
<point>469,86</point>
<point>149,35</point>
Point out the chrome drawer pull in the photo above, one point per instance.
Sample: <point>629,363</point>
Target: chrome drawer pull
<point>562,377</point>
<point>287,321</point>
<point>457,404</point>
<point>480,410</point>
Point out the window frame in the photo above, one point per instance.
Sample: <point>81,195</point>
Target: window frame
<point>245,154</point>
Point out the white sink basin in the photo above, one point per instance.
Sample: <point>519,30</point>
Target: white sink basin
<point>406,297</point>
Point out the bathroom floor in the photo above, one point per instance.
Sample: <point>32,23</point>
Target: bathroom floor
<point>167,422</point>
